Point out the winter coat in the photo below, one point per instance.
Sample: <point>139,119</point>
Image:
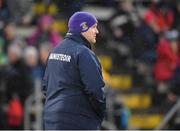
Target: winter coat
<point>73,86</point>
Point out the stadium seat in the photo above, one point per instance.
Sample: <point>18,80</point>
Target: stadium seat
<point>136,100</point>
<point>145,121</point>
<point>39,8</point>
<point>106,61</point>
<point>120,81</point>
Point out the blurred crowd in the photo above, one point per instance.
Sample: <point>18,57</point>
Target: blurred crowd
<point>141,36</point>
<point>147,34</point>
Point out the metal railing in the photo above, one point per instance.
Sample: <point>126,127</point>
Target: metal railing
<point>34,105</point>
<point>169,115</point>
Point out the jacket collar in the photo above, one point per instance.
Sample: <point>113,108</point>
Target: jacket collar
<point>78,38</point>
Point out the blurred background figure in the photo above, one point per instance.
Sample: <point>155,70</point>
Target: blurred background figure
<point>18,80</point>
<point>3,59</point>
<point>159,16</point>
<point>31,58</point>
<point>18,86</point>
<point>167,61</point>
<point>7,34</point>
<point>15,116</point>
<point>44,32</point>
<point>20,11</point>
<point>4,13</point>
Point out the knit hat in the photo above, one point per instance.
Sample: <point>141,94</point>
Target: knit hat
<point>81,21</point>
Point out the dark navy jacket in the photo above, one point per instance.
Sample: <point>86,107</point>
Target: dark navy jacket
<point>73,86</point>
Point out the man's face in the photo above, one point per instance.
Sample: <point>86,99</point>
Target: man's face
<point>91,33</point>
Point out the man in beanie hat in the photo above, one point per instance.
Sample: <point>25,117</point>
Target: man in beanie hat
<point>73,83</point>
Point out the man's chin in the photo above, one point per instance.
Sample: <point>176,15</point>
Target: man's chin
<point>94,41</point>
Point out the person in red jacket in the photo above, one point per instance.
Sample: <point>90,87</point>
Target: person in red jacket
<point>167,60</point>
<point>14,113</point>
<point>159,16</point>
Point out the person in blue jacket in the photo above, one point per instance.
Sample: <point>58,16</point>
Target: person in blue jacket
<point>73,84</point>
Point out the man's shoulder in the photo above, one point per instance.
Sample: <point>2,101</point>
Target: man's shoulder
<point>69,45</point>
<point>80,47</point>
<point>65,44</point>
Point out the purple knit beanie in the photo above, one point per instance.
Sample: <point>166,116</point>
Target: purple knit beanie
<point>81,21</point>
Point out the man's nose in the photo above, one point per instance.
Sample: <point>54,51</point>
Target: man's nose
<point>97,31</point>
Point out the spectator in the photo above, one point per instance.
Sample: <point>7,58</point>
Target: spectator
<point>8,35</point>
<point>18,80</point>
<point>44,32</point>
<point>159,17</point>
<point>15,116</point>
<point>122,25</point>
<point>167,60</point>
<point>3,58</point>
<point>167,51</point>
<point>31,59</point>
<point>20,11</point>
<point>143,47</point>
<point>122,22</point>
<point>4,11</point>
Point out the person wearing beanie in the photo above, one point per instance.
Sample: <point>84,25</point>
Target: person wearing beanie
<point>73,84</point>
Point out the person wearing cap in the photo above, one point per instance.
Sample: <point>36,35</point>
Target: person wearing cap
<point>167,56</point>
<point>166,64</point>
<point>73,84</point>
